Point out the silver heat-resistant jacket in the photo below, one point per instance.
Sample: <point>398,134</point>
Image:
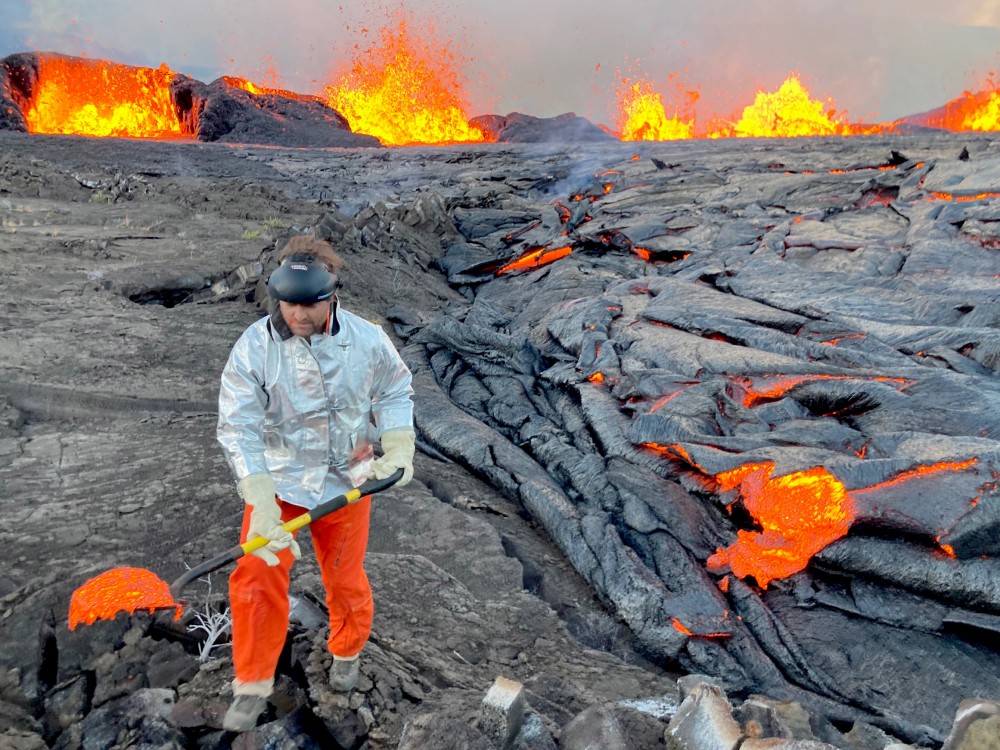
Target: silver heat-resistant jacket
<point>302,411</point>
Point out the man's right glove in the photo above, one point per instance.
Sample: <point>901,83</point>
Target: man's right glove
<point>258,491</point>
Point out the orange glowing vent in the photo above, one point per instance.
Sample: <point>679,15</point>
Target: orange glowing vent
<point>96,98</point>
<point>404,90</point>
<point>119,590</point>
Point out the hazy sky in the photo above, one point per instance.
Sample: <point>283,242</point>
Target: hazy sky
<point>876,59</point>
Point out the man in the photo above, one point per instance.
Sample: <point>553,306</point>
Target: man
<point>296,403</point>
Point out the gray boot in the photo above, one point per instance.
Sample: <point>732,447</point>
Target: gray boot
<point>243,713</point>
<point>344,674</point>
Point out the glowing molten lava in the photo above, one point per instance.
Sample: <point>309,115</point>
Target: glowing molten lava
<point>642,116</point>
<point>799,514</point>
<point>253,88</point>
<point>971,111</point>
<point>535,259</point>
<point>771,388</point>
<point>680,627</point>
<point>119,590</point>
<point>91,97</point>
<point>787,113</point>
<point>921,471</point>
<point>404,90</point>
<point>985,117</point>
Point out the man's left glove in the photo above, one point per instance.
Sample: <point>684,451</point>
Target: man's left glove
<point>258,491</point>
<point>398,447</point>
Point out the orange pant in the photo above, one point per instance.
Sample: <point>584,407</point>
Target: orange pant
<point>258,593</point>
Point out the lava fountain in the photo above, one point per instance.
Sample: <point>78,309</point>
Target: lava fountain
<point>789,112</point>
<point>76,96</point>
<point>642,115</point>
<point>978,112</point>
<point>405,89</point>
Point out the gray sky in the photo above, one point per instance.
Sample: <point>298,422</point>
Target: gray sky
<point>876,59</point>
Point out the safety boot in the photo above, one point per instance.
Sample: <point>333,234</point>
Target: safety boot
<point>243,713</point>
<point>344,674</point>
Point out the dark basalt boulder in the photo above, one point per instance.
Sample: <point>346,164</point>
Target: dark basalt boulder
<point>219,111</point>
<point>18,73</point>
<point>520,128</point>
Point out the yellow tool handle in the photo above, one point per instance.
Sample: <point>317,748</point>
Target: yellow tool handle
<point>236,552</point>
<point>298,522</point>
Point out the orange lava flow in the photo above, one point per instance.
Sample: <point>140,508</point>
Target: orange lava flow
<point>253,88</point>
<point>404,90</point>
<point>642,116</point>
<point>119,590</point>
<point>96,98</point>
<point>770,388</point>
<point>921,471</point>
<point>836,340</point>
<point>535,259</point>
<point>663,401</point>
<point>962,198</point>
<point>680,627</point>
<point>799,514</point>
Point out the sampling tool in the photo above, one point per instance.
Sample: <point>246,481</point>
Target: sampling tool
<point>130,589</point>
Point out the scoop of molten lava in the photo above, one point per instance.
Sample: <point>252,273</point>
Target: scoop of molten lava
<point>92,97</point>
<point>405,90</point>
<point>119,590</point>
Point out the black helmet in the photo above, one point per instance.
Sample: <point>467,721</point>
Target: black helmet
<point>302,279</point>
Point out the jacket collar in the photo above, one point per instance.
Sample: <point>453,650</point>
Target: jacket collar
<point>280,326</point>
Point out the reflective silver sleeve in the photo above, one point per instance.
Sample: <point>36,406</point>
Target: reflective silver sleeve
<point>391,389</point>
<point>241,412</point>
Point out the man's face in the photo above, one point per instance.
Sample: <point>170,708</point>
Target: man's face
<point>305,320</point>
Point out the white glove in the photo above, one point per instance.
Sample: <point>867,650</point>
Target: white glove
<point>398,447</point>
<point>258,491</point>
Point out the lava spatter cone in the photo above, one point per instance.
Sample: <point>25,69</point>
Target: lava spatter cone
<point>132,589</point>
